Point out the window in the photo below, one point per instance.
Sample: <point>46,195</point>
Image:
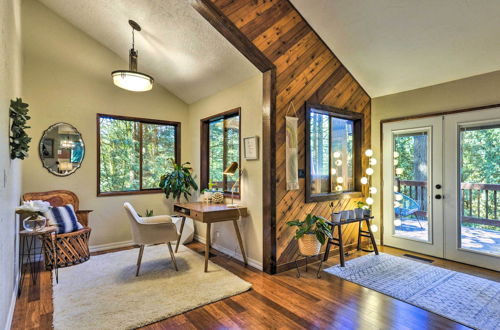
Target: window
<point>220,146</point>
<point>333,153</point>
<point>133,153</point>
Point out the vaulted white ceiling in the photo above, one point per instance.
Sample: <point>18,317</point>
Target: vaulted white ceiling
<point>177,46</point>
<point>392,46</point>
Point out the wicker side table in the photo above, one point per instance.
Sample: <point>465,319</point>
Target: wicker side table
<point>32,254</point>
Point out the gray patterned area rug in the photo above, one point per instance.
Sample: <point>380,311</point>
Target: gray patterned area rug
<point>467,299</point>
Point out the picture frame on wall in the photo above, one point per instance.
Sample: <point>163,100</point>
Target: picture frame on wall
<point>251,148</point>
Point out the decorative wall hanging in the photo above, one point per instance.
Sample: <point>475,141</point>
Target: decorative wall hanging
<point>19,139</point>
<point>61,149</point>
<point>292,162</point>
<point>251,148</point>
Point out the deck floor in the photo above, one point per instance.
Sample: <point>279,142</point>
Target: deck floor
<point>481,240</point>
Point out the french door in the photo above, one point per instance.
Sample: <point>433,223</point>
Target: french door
<point>441,186</point>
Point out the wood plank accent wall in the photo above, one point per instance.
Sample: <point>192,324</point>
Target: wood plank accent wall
<point>306,70</point>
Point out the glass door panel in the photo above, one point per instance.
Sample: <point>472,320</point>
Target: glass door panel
<point>412,167</point>
<point>411,175</point>
<point>472,187</point>
<point>479,191</point>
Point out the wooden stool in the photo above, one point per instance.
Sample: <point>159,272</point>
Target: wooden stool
<point>339,241</point>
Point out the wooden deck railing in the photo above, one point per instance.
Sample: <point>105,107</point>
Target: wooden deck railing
<point>480,201</point>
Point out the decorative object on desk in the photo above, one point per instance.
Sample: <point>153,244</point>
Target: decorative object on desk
<point>19,139</point>
<point>251,148</point>
<point>292,161</point>
<point>311,234</point>
<point>131,79</point>
<point>336,216</point>
<point>367,180</point>
<point>179,181</point>
<point>218,198</point>
<point>61,149</point>
<point>34,210</point>
<point>231,170</point>
<point>359,211</point>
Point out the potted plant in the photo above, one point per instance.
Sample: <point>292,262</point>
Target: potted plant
<point>34,212</point>
<point>359,210</point>
<point>179,181</point>
<point>311,234</point>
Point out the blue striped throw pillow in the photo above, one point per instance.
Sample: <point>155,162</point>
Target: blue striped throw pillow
<point>64,217</point>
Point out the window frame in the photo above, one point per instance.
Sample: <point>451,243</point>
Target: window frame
<point>141,121</point>
<point>204,149</point>
<point>357,119</point>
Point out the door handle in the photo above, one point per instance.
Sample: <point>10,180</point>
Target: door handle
<point>438,196</point>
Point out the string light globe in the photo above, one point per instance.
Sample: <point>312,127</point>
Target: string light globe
<point>336,154</point>
<point>399,171</point>
<point>364,180</point>
<point>340,179</point>
<point>372,161</point>
<point>372,190</point>
<point>374,228</point>
<point>369,201</point>
<point>397,222</point>
<point>369,171</point>
<point>368,152</point>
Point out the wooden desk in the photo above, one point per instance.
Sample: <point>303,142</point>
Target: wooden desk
<point>210,213</point>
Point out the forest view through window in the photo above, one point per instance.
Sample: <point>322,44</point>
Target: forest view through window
<point>223,148</point>
<point>134,153</point>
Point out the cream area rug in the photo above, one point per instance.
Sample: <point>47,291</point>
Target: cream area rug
<point>104,293</point>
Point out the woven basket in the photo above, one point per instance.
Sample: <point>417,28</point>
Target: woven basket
<point>309,245</point>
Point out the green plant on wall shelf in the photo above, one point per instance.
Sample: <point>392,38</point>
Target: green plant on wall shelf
<point>19,139</point>
<point>179,181</point>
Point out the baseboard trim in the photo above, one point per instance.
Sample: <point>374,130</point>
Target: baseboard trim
<point>13,300</point>
<point>110,246</point>
<point>233,254</point>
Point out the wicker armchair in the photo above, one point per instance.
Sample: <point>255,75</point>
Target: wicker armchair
<point>72,248</point>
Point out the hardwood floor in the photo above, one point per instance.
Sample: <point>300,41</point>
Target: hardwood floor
<point>278,301</point>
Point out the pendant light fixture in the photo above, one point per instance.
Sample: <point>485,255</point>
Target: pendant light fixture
<point>131,79</point>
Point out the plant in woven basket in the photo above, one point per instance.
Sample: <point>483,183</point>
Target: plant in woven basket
<point>179,182</point>
<point>19,139</point>
<point>311,234</point>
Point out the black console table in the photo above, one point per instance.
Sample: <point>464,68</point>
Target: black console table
<point>339,242</point>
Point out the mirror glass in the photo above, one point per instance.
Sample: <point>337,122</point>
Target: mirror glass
<point>61,149</point>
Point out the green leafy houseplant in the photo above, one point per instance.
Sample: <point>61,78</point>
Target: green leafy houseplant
<point>19,139</point>
<point>311,234</point>
<point>178,182</point>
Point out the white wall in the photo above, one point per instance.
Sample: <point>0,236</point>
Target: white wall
<point>459,94</point>
<point>248,96</point>
<point>67,79</point>
<point>10,88</point>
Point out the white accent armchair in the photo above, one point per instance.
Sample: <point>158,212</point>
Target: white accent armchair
<point>151,230</point>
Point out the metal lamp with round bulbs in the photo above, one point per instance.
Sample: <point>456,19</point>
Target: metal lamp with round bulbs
<point>131,79</point>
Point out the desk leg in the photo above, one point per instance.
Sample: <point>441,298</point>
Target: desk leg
<point>207,246</point>
<point>341,247</point>
<point>372,238</point>
<point>240,242</point>
<point>179,238</point>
